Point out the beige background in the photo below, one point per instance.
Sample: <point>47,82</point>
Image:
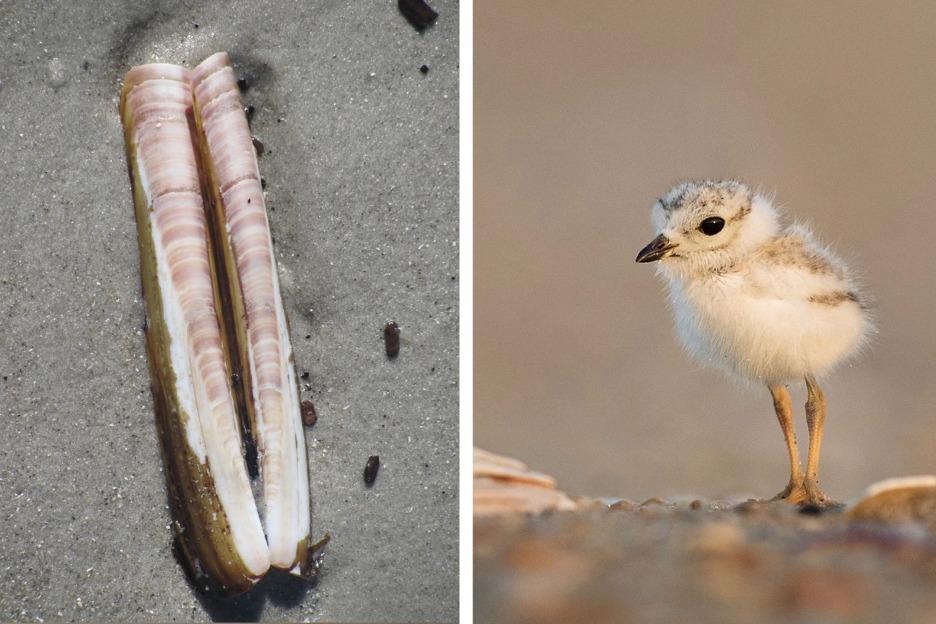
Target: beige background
<point>584,114</point>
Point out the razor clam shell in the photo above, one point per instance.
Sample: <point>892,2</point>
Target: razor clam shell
<point>264,350</point>
<point>218,527</point>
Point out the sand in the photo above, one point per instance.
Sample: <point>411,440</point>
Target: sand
<point>701,561</point>
<point>543,556</point>
<point>361,166</point>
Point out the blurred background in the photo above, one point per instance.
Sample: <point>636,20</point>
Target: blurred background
<point>584,114</point>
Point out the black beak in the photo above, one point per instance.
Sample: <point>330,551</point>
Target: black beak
<point>659,248</point>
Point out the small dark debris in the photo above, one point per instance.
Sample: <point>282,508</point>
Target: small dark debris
<point>308,336</point>
<point>249,111</point>
<point>424,69</point>
<point>305,374</point>
<point>392,339</point>
<point>319,545</point>
<point>242,84</point>
<point>263,183</point>
<point>370,470</point>
<point>314,558</point>
<point>417,12</point>
<point>235,379</point>
<point>258,145</point>
<point>309,417</point>
<point>86,65</point>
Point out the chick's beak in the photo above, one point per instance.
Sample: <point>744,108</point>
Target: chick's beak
<point>659,248</point>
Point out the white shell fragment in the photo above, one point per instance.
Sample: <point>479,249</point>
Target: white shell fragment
<point>505,485</point>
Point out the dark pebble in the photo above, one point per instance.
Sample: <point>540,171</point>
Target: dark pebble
<point>371,468</point>
<point>418,13</point>
<point>392,339</point>
<point>309,417</point>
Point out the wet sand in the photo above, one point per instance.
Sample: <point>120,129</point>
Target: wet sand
<point>361,165</point>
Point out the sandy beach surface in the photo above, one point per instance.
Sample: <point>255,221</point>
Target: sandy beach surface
<point>701,561</point>
<point>361,165</point>
<point>542,555</point>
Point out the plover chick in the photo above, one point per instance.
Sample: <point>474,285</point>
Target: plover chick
<point>760,300</point>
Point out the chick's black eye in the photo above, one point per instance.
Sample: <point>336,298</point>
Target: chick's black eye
<point>712,226</point>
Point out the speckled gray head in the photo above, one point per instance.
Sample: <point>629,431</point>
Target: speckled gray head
<point>708,223</point>
<point>703,197</point>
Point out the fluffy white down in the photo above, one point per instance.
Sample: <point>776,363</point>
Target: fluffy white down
<point>768,316</point>
<point>762,338</point>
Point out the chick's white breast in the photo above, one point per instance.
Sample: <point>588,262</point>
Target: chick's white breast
<point>769,323</point>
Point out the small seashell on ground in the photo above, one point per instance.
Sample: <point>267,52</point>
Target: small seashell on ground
<point>902,499</point>
<point>504,485</point>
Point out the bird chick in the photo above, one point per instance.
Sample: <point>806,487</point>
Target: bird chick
<point>765,302</point>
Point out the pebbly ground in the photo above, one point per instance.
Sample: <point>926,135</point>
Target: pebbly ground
<point>714,561</point>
